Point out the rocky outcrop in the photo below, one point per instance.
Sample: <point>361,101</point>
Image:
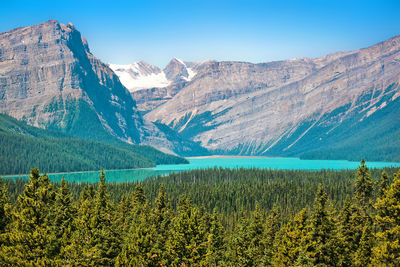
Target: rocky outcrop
<point>49,78</point>
<point>271,108</point>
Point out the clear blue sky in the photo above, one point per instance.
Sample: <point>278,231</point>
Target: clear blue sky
<point>257,31</point>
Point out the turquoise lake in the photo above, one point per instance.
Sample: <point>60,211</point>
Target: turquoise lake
<point>203,163</point>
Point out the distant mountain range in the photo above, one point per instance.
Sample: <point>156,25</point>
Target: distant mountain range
<point>344,105</point>
<point>141,75</point>
<point>314,108</point>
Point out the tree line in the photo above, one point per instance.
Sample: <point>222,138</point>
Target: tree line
<point>48,224</point>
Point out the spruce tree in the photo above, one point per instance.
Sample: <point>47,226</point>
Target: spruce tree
<point>292,240</point>
<point>215,243</point>
<point>28,238</point>
<point>81,241</point>
<point>387,250</point>
<point>383,183</point>
<point>105,243</point>
<point>137,248</point>
<point>272,227</point>
<point>161,223</point>
<point>62,223</point>
<point>247,246</point>
<point>4,207</point>
<point>350,226</point>
<point>363,186</point>
<point>362,257</point>
<point>187,244</point>
<point>321,244</point>
<point>238,243</point>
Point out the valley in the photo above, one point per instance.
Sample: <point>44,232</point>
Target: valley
<point>321,108</point>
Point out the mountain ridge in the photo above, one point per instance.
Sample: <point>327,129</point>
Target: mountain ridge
<point>266,103</point>
<point>49,78</point>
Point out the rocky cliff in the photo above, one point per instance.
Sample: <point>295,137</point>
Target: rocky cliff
<point>49,78</point>
<point>285,107</point>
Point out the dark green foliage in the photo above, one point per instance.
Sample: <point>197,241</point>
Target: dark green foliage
<point>23,146</point>
<point>4,206</point>
<point>27,244</point>
<point>320,243</point>
<point>138,224</point>
<point>363,186</point>
<point>383,183</point>
<point>387,219</point>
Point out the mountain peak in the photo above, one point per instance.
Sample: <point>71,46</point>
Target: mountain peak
<point>176,70</point>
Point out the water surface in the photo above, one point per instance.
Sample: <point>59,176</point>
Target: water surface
<point>211,162</point>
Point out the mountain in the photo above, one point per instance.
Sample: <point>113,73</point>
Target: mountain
<point>50,79</point>
<point>342,105</point>
<point>150,86</point>
<point>140,75</point>
<point>23,147</point>
<point>300,107</point>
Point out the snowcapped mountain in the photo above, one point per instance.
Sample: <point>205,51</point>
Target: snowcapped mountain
<point>141,75</point>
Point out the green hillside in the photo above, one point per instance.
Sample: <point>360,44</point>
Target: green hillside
<point>23,146</point>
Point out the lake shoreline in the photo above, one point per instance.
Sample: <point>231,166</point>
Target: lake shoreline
<point>231,156</point>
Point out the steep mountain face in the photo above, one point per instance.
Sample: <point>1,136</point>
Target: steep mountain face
<point>49,78</point>
<point>150,86</point>
<point>287,107</point>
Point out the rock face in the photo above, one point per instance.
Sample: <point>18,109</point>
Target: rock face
<point>49,78</point>
<point>151,86</point>
<point>285,107</point>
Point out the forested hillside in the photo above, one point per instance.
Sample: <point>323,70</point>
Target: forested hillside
<point>258,218</point>
<point>23,146</point>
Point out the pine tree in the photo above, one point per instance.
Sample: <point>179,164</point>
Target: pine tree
<point>105,243</point>
<point>363,186</point>
<point>383,183</point>
<point>4,207</point>
<point>161,223</point>
<point>247,246</point>
<point>292,239</point>
<point>81,241</point>
<point>215,243</point>
<point>350,226</point>
<point>272,227</point>
<point>62,226</point>
<point>387,250</point>
<point>362,257</point>
<point>28,238</point>
<point>321,244</point>
<point>186,244</point>
<point>238,243</point>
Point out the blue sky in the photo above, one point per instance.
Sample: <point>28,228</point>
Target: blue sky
<point>122,32</point>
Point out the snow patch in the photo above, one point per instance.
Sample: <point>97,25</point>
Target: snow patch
<point>138,76</point>
<point>191,74</point>
<point>190,71</point>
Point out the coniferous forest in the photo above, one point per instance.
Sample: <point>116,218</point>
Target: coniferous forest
<point>215,217</point>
